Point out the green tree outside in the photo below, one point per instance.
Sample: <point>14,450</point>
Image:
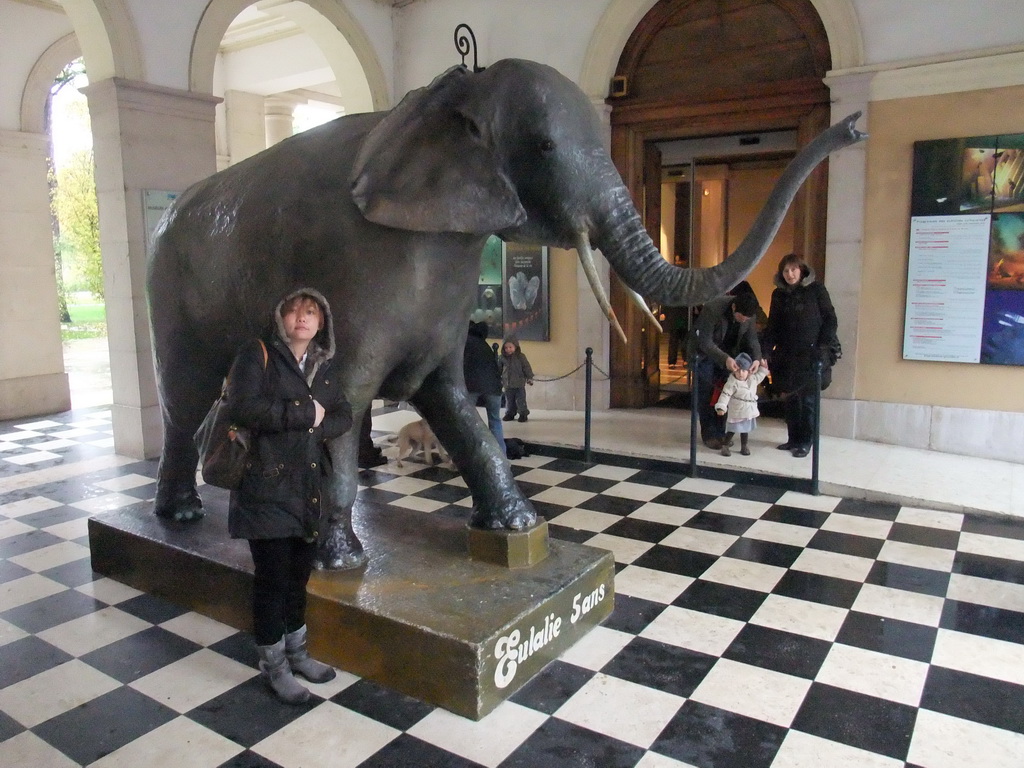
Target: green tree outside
<point>78,214</point>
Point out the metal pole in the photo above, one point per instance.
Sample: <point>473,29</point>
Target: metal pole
<point>816,441</point>
<point>587,403</point>
<point>694,397</point>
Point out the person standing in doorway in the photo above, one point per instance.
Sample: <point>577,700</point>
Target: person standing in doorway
<point>483,378</point>
<point>516,373</point>
<point>801,324</point>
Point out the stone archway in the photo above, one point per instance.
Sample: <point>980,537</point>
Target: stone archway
<point>329,24</point>
<point>670,99</point>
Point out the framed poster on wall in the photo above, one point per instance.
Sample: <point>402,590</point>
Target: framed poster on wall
<point>965,275</point>
<point>513,294</point>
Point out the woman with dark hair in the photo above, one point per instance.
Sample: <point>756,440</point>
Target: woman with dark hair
<point>801,324</point>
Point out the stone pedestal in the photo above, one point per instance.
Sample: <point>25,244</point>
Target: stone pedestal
<point>423,617</point>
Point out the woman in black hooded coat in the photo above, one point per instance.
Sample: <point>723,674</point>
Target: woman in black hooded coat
<point>284,388</point>
<point>801,324</point>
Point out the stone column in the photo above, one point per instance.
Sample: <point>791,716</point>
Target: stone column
<point>844,257</point>
<point>246,125</point>
<point>32,377</point>
<point>278,118</point>
<point>146,137</point>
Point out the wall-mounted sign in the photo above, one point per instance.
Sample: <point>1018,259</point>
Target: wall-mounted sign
<point>513,295</point>
<point>965,277</point>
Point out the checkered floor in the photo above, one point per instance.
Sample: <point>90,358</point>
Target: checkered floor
<point>753,626</point>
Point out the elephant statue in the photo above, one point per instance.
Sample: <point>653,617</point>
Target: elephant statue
<point>387,214</point>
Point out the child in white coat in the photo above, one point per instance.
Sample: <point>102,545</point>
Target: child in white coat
<point>738,402</point>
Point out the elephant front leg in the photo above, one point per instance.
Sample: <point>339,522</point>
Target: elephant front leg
<point>340,548</point>
<point>497,501</point>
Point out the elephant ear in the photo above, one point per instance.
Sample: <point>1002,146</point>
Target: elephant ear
<point>427,166</point>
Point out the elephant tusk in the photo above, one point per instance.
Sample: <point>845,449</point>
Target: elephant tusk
<point>641,302</point>
<point>587,260</point>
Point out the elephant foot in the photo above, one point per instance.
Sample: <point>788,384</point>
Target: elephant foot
<point>340,549</point>
<point>513,515</point>
<point>178,501</point>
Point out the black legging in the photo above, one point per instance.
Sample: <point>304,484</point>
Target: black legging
<point>282,568</point>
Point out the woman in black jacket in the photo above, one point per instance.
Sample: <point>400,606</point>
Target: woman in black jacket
<point>801,323</point>
<point>284,389</point>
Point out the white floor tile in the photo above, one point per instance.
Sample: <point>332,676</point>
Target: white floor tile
<point>181,743</point>
<point>45,558</point>
<point>698,540</point>
<point>625,550</point>
<point>825,563</point>
<point>648,584</point>
<point>596,648</point>
<point>904,553</point>
<point>744,573</point>
<point>193,680</point>
<point>621,709</point>
<point>92,631</point>
<point>109,591</point>
<point>802,750</point>
<point>931,518</point>
<point>198,628</point>
<point>697,631</point>
<point>858,526</point>
<point>663,513</point>
<point>544,477</point>
<point>874,674</point>
<point>807,501</point>
<point>800,617</point>
<point>752,691</point>
<point>899,604</point>
<point>26,589</point>
<point>780,533</point>
<point>635,491</point>
<point>27,506</point>
<point>26,749</point>
<point>10,528</point>
<point>105,503</point>
<point>54,692</point>
<point>419,504</point>
<point>992,546</point>
<point>996,594</point>
<point>941,741</point>
<point>125,482</point>
<point>738,507</point>
<point>979,655</point>
<point>36,457</point>
<point>487,741</point>
<point>584,519</point>
<point>566,497</point>
<point>328,735</point>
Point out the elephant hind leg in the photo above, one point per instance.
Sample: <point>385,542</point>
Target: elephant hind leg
<point>186,400</point>
<point>340,548</point>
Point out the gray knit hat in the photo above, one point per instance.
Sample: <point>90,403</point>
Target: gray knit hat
<point>743,361</point>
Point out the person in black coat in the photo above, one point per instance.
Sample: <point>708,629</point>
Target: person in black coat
<point>483,378</point>
<point>723,329</point>
<point>284,389</point>
<point>801,324</point>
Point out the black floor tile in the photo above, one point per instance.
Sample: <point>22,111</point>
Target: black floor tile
<point>661,666</point>
<point>846,544</point>
<point>9,571</point>
<point>21,659</point>
<point>407,751</point>
<point>9,727</point>
<point>909,578</point>
<point>809,518</point>
<point>984,620</point>
<point>924,536</point>
<point>95,729</point>
<point>153,609</point>
<point>642,530</point>
<point>993,525</point>
<point>754,493</point>
<point>140,654</point>
<point>29,541</point>
<point>633,614</point>
<point>717,522</point>
<point>248,713</point>
<point>972,697</point>
<point>785,652</point>
<point>877,510</point>
<point>612,505</point>
<point>861,721</point>
<point>566,465</point>
<point>708,737</point>
<point>54,516</point>
<point>672,560</point>
<point>73,574</point>
<point>449,494</point>
<point>891,636</point>
<point>687,499</point>
<point>587,483</point>
<point>984,567</point>
<point>247,759</point>
<point>558,743</point>
<point>382,704</point>
<point>660,479</point>
<point>816,588</point>
<point>50,611</point>
<point>553,686</point>
<point>721,600</point>
<point>767,552</point>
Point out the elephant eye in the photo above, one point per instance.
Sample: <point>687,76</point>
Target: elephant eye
<point>471,127</point>
<point>546,145</point>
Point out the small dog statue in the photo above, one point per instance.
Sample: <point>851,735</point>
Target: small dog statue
<point>418,435</point>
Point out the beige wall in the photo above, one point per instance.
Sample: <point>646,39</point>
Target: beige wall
<point>560,355</point>
<point>748,190</point>
<point>882,374</point>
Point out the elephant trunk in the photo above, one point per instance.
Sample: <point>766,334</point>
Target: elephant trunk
<point>621,237</point>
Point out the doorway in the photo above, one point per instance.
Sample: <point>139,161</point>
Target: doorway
<point>711,189</point>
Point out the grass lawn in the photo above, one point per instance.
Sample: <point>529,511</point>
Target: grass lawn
<point>88,321</point>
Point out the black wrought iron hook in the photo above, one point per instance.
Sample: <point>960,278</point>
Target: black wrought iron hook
<point>463,45</point>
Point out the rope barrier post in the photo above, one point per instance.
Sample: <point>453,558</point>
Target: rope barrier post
<point>816,442</point>
<point>694,396</point>
<point>587,403</point>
